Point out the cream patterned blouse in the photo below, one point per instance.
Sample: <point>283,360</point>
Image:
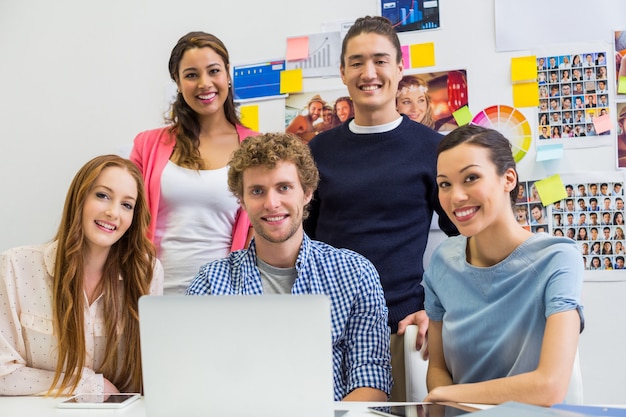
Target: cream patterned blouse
<point>28,344</point>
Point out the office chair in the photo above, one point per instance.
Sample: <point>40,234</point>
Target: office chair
<point>415,367</point>
<point>575,390</point>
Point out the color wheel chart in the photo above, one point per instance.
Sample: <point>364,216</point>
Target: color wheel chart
<point>511,123</point>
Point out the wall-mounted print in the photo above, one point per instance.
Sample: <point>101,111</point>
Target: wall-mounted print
<point>511,123</point>
<point>308,114</point>
<point>573,91</point>
<point>592,214</point>
<point>430,98</point>
<point>409,15</point>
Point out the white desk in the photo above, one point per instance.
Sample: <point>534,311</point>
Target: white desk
<point>46,407</point>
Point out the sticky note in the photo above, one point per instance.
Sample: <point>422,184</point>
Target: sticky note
<point>602,123</point>
<point>462,116</point>
<point>526,94</point>
<point>549,152</point>
<point>524,69</point>
<point>551,189</point>
<point>422,55</point>
<point>406,56</point>
<point>291,81</point>
<point>621,85</point>
<point>250,116</point>
<point>297,48</point>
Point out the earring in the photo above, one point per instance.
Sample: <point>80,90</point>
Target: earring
<point>229,84</point>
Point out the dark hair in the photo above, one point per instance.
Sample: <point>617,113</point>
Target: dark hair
<point>499,148</point>
<point>348,100</point>
<point>372,24</point>
<point>185,123</point>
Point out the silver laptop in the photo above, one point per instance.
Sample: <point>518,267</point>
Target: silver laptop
<point>230,356</point>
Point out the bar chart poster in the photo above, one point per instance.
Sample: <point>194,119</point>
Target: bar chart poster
<point>257,80</point>
<point>410,15</point>
<point>323,59</point>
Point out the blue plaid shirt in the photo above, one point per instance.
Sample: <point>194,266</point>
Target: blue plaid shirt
<point>360,334</point>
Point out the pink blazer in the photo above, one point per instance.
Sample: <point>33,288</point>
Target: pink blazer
<point>151,151</point>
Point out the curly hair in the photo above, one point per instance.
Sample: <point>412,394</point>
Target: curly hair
<point>132,257</point>
<point>184,120</point>
<point>268,150</point>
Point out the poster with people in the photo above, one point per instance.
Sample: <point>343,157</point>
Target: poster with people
<point>573,90</point>
<point>592,214</point>
<point>428,98</point>
<point>431,98</point>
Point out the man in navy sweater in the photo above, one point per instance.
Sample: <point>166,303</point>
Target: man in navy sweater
<point>377,190</point>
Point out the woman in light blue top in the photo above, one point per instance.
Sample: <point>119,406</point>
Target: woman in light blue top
<point>503,303</point>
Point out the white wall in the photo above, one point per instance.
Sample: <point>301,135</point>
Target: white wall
<point>80,78</point>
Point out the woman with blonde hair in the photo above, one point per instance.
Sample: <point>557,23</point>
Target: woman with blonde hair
<point>413,100</point>
<point>69,307</point>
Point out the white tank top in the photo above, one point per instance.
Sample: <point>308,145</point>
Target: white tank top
<point>194,223</point>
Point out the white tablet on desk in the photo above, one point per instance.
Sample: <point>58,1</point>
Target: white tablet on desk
<point>99,400</point>
<point>424,410</point>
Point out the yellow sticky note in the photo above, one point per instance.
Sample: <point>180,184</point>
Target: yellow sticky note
<point>250,116</point>
<point>551,189</point>
<point>422,55</point>
<point>462,116</point>
<point>526,94</point>
<point>297,48</point>
<point>291,81</point>
<point>524,69</point>
<point>602,123</point>
<point>621,85</point>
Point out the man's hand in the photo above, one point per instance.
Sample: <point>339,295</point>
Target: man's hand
<point>420,319</point>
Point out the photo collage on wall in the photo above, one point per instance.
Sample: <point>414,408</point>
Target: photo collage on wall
<point>529,211</point>
<point>573,90</point>
<point>592,214</point>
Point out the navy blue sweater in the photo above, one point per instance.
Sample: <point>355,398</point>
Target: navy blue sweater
<point>376,196</point>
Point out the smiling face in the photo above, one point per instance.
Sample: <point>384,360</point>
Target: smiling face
<point>274,200</point>
<point>315,110</point>
<point>371,74</point>
<point>203,81</point>
<point>342,107</point>
<point>109,208</point>
<point>413,102</point>
<point>471,192</point>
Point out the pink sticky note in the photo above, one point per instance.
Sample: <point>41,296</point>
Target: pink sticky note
<point>602,123</point>
<point>297,48</point>
<point>406,56</point>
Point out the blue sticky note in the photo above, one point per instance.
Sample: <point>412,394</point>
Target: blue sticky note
<point>549,152</point>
